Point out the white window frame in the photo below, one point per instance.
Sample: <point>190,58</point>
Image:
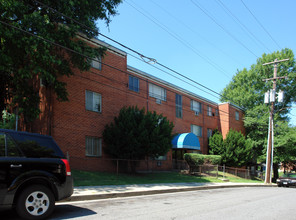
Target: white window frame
<point>197,130</point>
<point>90,149</point>
<point>163,158</point>
<point>93,101</point>
<point>96,63</point>
<point>209,111</point>
<point>196,107</point>
<point>157,92</point>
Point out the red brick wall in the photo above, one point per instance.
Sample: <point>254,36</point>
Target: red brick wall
<point>227,119</point>
<point>69,122</point>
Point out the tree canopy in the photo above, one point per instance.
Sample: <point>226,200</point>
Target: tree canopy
<point>28,28</point>
<point>136,134</point>
<point>235,150</point>
<point>247,89</point>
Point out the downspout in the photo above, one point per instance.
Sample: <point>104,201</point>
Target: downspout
<point>50,112</point>
<point>147,87</point>
<point>202,133</point>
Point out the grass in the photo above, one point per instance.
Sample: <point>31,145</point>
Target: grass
<point>84,178</point>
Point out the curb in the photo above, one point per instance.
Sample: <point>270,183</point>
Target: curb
<point>97,196</point>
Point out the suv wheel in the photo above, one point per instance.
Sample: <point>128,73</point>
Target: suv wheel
<point>35,202</point>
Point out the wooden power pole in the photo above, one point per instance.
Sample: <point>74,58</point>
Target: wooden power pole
<point>269,153</point>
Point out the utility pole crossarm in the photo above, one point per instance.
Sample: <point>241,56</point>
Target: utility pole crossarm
<point>275,62</point>
<point>278,77</point>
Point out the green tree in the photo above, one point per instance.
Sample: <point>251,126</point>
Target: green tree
<point>8,120</point>
<point>235,150</point>
<point>247,89</point>
<point>216,143</point>
<point>284,145</point>
<point>23,56</point>
<point>136,134</point>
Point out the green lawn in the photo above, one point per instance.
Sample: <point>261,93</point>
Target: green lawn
<point>83,178</point>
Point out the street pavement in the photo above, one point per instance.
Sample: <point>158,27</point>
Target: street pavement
<point>103,192</point>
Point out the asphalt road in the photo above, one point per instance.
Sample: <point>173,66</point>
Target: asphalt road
<point>229,203</point>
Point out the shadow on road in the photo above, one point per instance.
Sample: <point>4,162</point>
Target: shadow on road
<point>69,212</point>
<point>60,212</point>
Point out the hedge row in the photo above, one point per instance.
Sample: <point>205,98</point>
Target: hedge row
<point>194,159</point>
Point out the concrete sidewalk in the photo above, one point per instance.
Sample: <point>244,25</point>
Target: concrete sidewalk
<point>104,192</point>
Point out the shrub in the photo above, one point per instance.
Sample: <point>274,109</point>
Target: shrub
<point>235,149</point>
<point>194,159</point>
<point>212,159</point>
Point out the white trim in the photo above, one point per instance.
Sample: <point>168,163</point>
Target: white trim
<point>96,42</point>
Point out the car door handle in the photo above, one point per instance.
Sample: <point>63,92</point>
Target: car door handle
<point>15,165</point>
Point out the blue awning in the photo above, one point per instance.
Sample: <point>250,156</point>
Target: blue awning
<point>186,141</point>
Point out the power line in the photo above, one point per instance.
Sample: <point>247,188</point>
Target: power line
<point>141,55</point>
<point>244,28</point>
<point>195,32</point>
<point>73,51</point>
<point>180,39</point>
<point>261,25</point>
<point>224,29</point>
<point>177,78</point>
<point>184,108</point>
<point>96,32</point>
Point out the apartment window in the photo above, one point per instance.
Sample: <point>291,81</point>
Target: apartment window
<point>161,158</point>
<point>196,107</point>
<point>197,130</point>
<point>237,115</point>
<point>133,83</point>
<point>209,111</point>
<point>96,63</point>
<point>217,112</point>
<point>178,106</point>
<point>210,132</point>
<point>157,92</point>
<point>93,146</point>
<point>93,101</point>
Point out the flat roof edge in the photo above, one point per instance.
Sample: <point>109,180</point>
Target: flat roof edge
<point>158,80</point>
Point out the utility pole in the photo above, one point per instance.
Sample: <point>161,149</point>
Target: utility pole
<point>269,153</point>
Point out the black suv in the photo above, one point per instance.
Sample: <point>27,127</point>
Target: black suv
<point>34,173</point>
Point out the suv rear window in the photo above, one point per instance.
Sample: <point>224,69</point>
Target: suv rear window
<point>37,146</point>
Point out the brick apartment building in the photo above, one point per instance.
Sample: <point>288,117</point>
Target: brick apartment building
<point>96,97</point>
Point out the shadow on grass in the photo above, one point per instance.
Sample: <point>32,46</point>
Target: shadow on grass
<point>83,178</point>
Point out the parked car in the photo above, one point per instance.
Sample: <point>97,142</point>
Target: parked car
<point>34,173</point>
<point>287,180</point>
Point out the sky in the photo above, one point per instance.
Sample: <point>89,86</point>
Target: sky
<point>207,41</point>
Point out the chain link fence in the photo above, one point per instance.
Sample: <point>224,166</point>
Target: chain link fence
<point>152,165</point>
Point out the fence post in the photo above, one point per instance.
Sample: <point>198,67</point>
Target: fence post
<point>248,175</point>
<point>217,171</point>
<point>223,171</point>
<point>117,166</point>
<point>236,171</point>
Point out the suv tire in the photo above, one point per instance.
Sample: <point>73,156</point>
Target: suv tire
<point>35,202</point>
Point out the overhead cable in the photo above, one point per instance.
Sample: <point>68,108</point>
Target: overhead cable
<point>261,24</point>
<point>224,29</point>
